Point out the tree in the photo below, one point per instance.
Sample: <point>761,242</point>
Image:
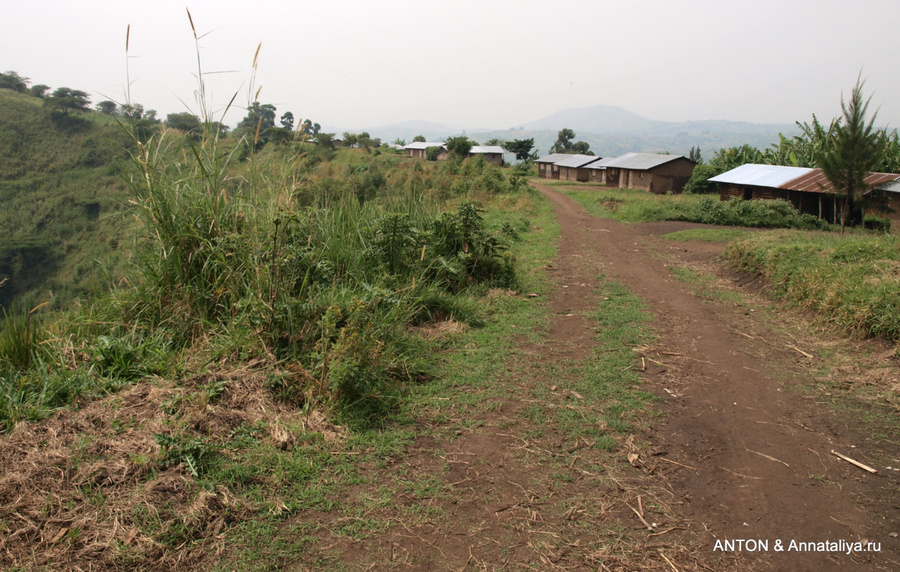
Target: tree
<point>400,141</point>
<point>349,139</point>
<point>419,139</point>
<point>260,118</point>
<point>459,146</point>
<point>522,149</point>
<point>287,120</point>
<point>582,148</point>
<point>309,128</point>
<point>856,148</point>
<point>108,107</point>
<point>695,155</point>
<point>187,122</point>
<point>563,141</point>
<point>66,99</point>
<point>12,80</point>
<point>39,90</point>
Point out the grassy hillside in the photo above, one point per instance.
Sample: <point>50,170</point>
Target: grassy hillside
<point>62,204</point>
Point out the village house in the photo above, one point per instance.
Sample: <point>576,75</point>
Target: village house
<point>547,168</point>
<point>574,167</point>
<point>658,174</point>
<point>807,189</point>
<point>491,153</point>
<point>417,149</point>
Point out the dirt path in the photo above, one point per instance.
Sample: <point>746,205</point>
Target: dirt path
<point>760,456</point>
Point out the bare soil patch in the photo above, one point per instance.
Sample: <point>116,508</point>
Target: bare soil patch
<point>760,450</point>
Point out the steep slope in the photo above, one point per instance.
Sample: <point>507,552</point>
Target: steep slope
<point>61,201</point>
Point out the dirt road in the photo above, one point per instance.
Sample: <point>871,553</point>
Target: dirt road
<point>759,451</point>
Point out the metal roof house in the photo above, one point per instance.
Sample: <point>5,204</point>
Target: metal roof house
<point>651,172</point>
<point>491,153</point>
<point>573,168</point>
<point>417,148</point>
<point>547,168</point>
<point>807,189</point>
<point>597,170</point>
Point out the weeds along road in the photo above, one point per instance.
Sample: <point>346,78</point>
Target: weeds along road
<point>760,457</point>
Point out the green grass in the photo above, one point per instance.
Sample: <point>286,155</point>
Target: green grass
<point>847,281</point>
<point>629,205</point>
<point>707,235</point>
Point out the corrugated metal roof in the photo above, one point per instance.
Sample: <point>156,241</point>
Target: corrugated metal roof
<point>642,161</point>
<point>890,186</point>
<point>577,161</point>
<point>554,158</point>
<point>795,178</point>
<point>479,149</point>
<point>760,175</point>
<point>602,163</point>
<point>424,144</point>
<point>816,182</point>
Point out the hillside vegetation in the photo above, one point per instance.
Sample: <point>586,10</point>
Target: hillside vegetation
<point>62,203</point>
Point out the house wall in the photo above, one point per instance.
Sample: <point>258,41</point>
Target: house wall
<point>545,170</point>
<point>495,158</point>
<point>666,178</point>
<point>597,175</point>
<point>574,174</point>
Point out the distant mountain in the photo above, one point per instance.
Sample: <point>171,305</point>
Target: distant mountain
<point>600,119</point>
<point>405,130</point>
<point>608,119</point>
<point>610,131</point>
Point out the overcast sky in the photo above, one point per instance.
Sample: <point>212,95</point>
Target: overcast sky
<point>469,64</point>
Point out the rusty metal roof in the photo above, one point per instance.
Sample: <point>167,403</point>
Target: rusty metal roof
<point>577,161</point>
<point>816,182</point>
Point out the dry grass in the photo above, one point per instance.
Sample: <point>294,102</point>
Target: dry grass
<point>87,489</point>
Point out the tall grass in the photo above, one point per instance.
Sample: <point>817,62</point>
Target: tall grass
<point>851,281</point>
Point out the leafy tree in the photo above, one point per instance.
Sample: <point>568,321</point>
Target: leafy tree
<point>187,122</point>
<point>287,121</point>
<point>522,149</point>
<point>419,139</point>
<point>495,141</point>
<point>309,128</point>
<point>365,141</point>
<point>563,141</point>
<point>856,149</point>
<point>66,99</point>
<point>459,146</point>
<point>39,90</point>
<point>400,141</point>
<point>802,150</point>
<point>12,80</point>
<point>349,139</point>
<point>260,118</point>
<point>324,140</point>
<point>108,107</point>
<point>432,153</point>
<point>582,148</point>
<point>699,181</point>
<point>564,144</point>
<point>727,159</point>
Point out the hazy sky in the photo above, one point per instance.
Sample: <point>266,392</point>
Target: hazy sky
<point>469,64</point>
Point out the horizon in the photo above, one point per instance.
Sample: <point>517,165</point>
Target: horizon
<point>469,66</point>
